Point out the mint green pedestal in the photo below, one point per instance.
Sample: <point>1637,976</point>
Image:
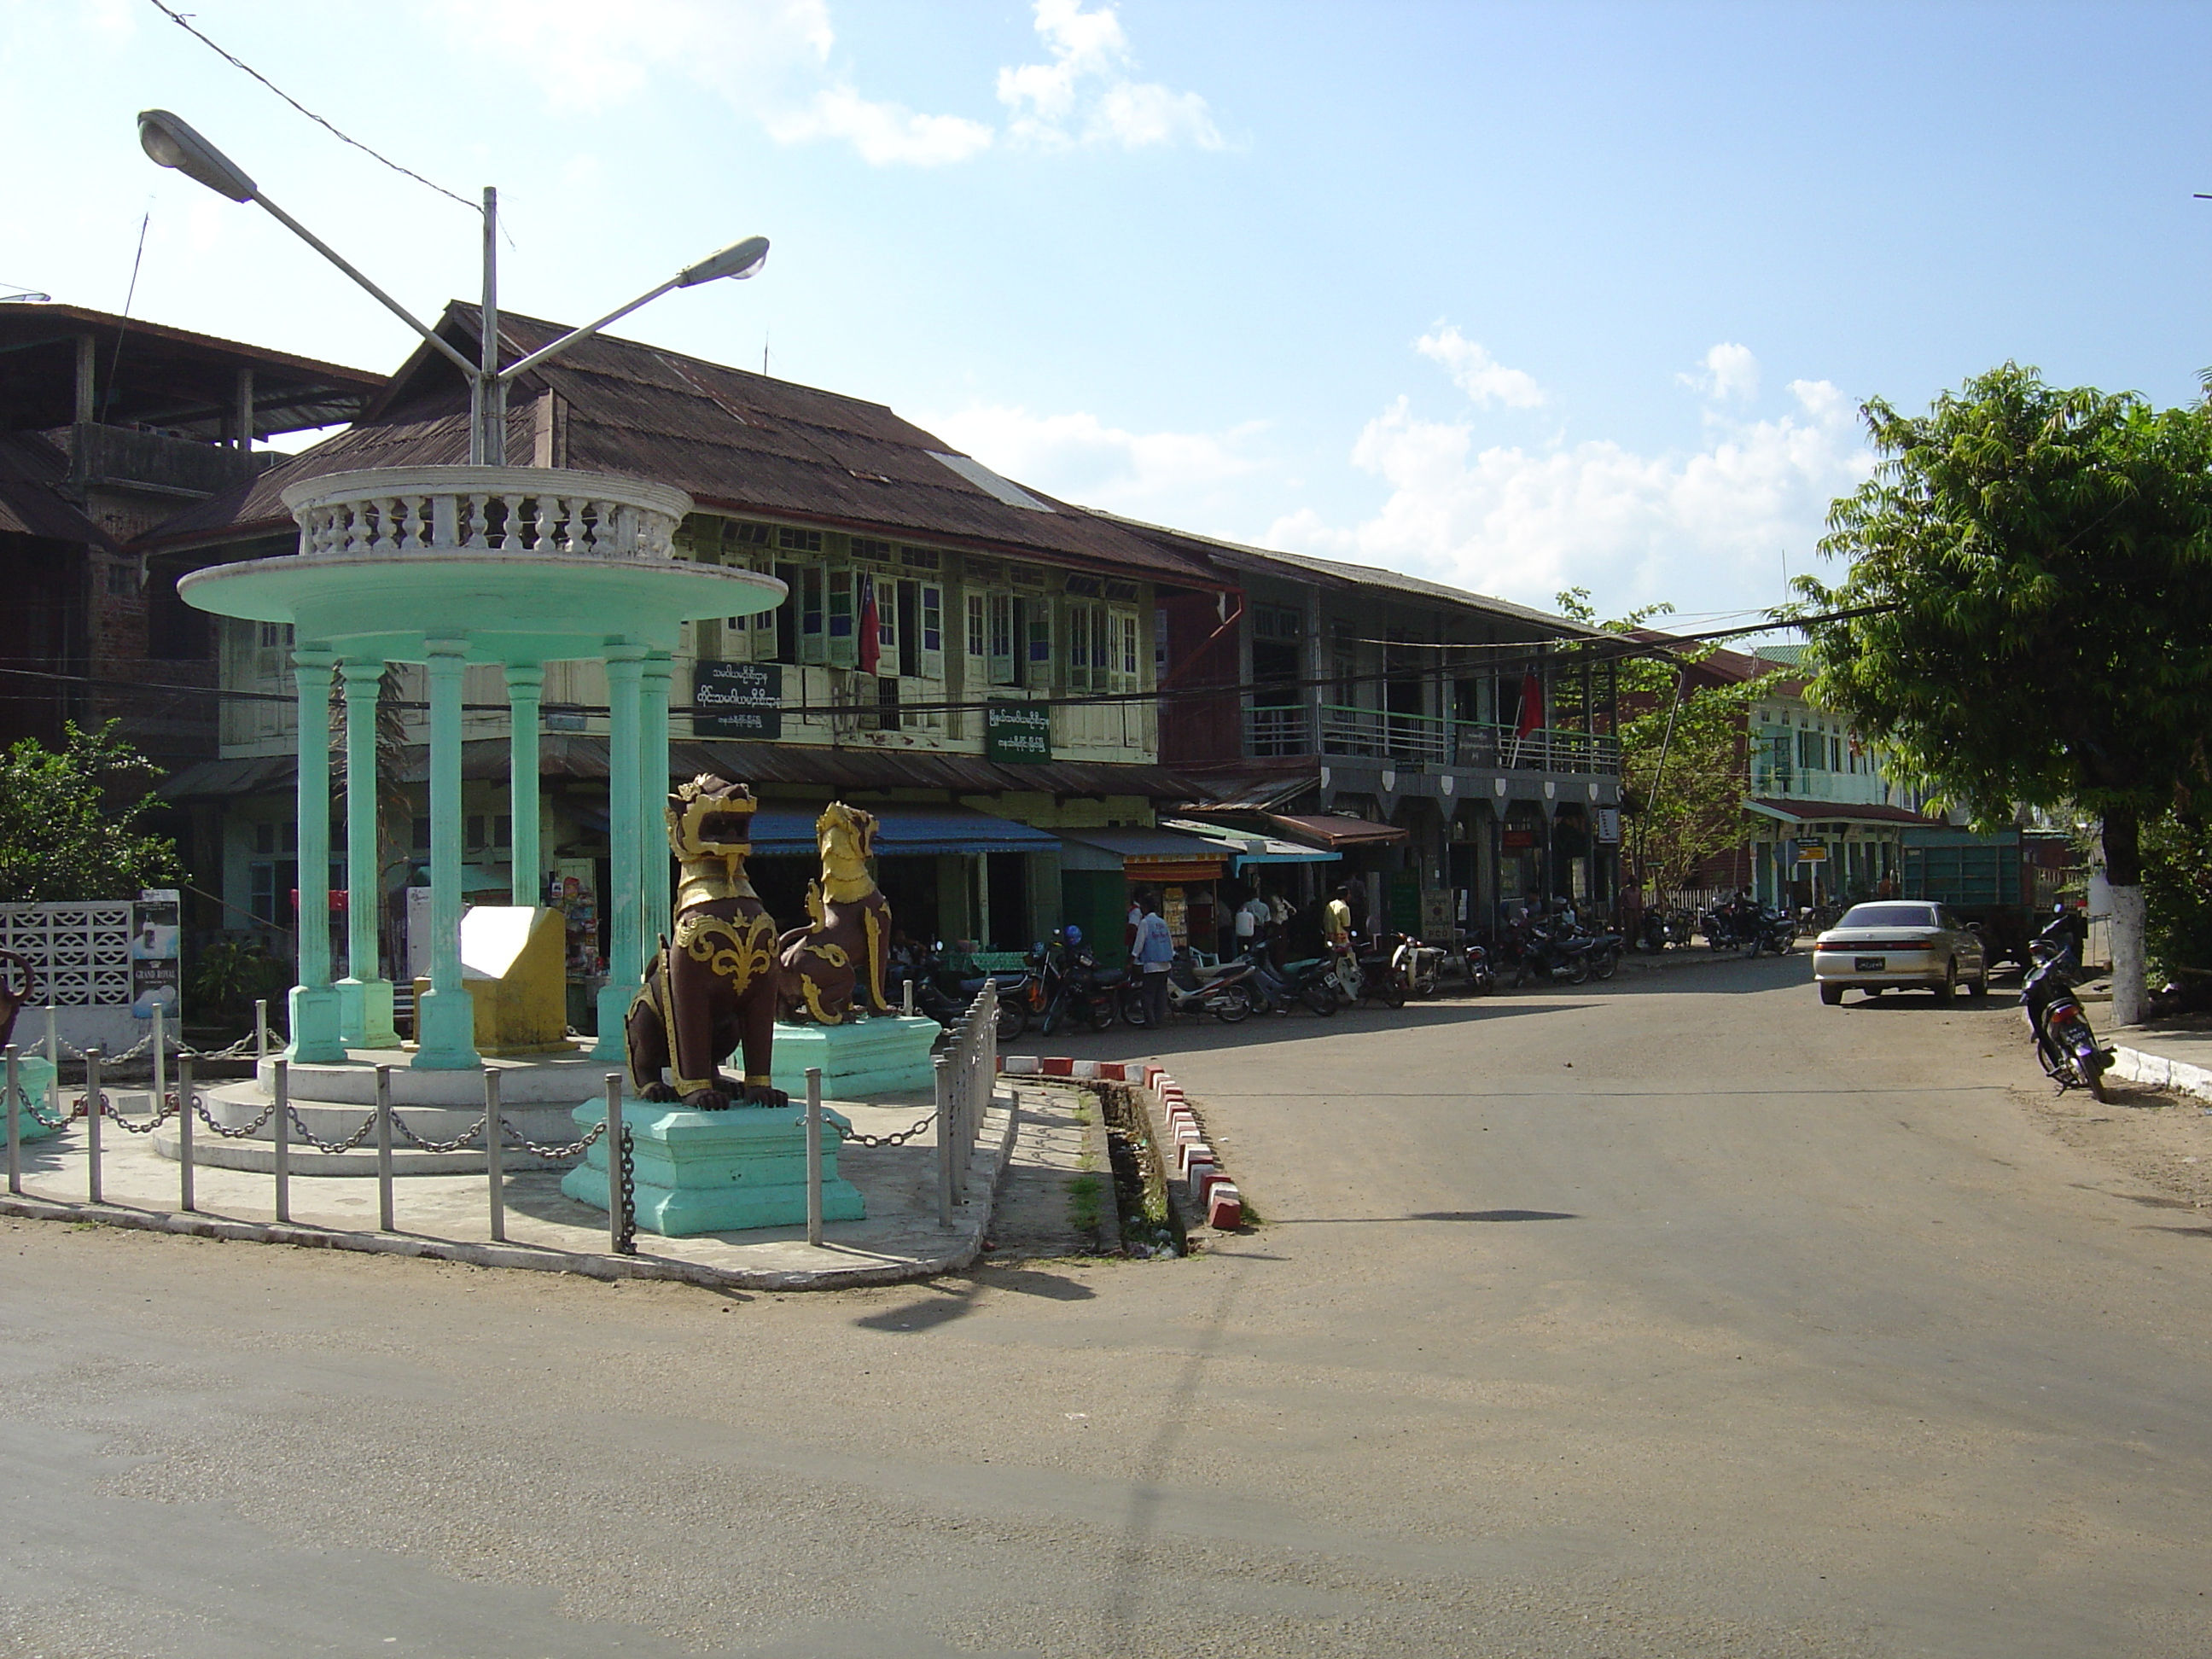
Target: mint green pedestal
<point>37,1076</point>
<point>711,1172</point>
<point>886,1055</point>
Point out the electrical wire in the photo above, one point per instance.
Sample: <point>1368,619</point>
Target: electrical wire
<point>184,24</point>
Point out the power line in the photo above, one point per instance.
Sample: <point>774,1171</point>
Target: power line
<point>181,22</point>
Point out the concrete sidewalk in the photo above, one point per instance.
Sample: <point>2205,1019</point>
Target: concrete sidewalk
<point>2175,1054</point>
<point>447,1217</point>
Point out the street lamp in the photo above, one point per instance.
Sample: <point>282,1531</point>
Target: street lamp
<point>172,142</point>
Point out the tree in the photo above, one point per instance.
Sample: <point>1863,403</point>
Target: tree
<point>2033,570</point>
<point>67,830</point>
<point>1684,763</point>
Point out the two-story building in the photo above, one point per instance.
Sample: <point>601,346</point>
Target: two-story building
<point>971,661</point>
<point>1460,750</point>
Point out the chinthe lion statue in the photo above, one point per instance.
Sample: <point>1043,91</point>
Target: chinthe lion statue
<point>711,989</point>
<point>841,959</point>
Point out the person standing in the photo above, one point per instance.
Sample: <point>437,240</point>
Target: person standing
<point>1154,949</point>
<point>1336,917</point>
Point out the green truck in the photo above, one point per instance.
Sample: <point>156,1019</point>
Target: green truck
<point>2004,882</point>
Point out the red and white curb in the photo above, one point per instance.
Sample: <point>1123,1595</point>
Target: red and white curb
<point>1190,1157</point>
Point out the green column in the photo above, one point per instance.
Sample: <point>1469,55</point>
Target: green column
<point>524,682</point>
<point>625,897</point>
<point>445,1015</point>
<point>652,796</point>
<point>364,995</point>
<point>315,1037</point>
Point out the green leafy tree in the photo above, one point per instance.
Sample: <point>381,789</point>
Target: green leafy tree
<point>1684,764</point>
<point>2036,568</point>
<point>2177,893</point>
<point>71,821</point>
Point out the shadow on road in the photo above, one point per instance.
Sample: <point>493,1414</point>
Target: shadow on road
<point>1424,1215</point>
<point>942,1301</point>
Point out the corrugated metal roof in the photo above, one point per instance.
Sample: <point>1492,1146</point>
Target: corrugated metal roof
<point>736,440</point>
<point>1238,555</point>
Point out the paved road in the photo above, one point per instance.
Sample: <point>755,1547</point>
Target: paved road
<point>1682,1317</point>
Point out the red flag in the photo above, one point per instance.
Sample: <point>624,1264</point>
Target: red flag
<point>872,630</point>
<point>1532,705</point>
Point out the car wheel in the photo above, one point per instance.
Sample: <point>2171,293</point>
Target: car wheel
<point>1978,986</point>
<point>1948,987</point>
<point>1832,994</point>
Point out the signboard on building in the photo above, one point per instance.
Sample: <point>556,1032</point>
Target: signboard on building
<point>154,928</point>
<point>737,700</point>
<point>1608,824</point>
<point>1812,852</point>
<point>1018,731</point>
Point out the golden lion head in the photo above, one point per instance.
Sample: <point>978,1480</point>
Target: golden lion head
<point>710,817</point>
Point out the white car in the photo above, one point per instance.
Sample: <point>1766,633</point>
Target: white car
<point>1894,942</point>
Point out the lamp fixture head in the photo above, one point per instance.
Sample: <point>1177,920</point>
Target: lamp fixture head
<point>172,143</point>
<point>740,260</point>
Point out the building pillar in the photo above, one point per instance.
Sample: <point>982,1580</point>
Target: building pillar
<point>653,849</point>
<point>364,995</point>
<point>625,909</point>
<point>445,1015</point>
<point>525,683</point>
<point>88,365</point>
<point>245,435</point>
<point>315,1038</point>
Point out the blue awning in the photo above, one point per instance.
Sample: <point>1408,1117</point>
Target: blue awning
<point>901,831</point>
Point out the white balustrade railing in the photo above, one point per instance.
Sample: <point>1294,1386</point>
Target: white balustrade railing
<point>547,511</point>
<point>967,1072</point>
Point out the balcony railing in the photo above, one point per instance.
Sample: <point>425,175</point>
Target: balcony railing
<point>434,510</point>
<point>1428,740</point>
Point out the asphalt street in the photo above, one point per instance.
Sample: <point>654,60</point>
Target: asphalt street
<point>1677,1317</point>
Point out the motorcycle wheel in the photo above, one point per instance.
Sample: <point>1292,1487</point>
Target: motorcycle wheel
<point>1098,1014</point>
<point>1606,966</point>
<point>2094,1076</point>
<point>1320,997</point>
<point>1394,992</point>
<point>1133,1008</point>
<point>1013,1021</point>
<point>1230,1006</point>
<point>1580,972</point>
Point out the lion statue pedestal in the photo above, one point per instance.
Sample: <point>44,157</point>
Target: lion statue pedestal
<point>721,1171</point>
<point>36,1076</point>
<point>887,1055</point>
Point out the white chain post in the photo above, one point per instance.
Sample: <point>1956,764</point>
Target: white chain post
<point>384,1148</point>
<point>495,1173</point>
<point>614,1162</point>
<point>184,1195</point>
<point>280,1144</point>
<point>15,1126</point>
<point>93,1116</point>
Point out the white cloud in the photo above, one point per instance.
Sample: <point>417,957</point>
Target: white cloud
<point>882,133</point>
<point>770,60</point>
<point>1728,371</point>
<point>1705,529</point>
<point>1083,96</point>
<point>1476,373</point>
<point>1078,457</point>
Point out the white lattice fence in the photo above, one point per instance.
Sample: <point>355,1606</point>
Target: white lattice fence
<point>82,952</point>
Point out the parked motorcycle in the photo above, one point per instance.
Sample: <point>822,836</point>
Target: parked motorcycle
<point>1422,966</point>
<point>2064,1044</point>
<point>1383,963</point>
<point>1775,930</point>
<point>1071,985</point>
<point>945,997</point>
<point>1481,972</point>
<point>1226,992</point>
<point>1550,952</point>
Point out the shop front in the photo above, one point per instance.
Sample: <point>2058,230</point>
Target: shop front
<point>1104,872</point>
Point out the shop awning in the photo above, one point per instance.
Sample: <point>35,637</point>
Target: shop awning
<point>785,831</point>
<point>1249,846</point>
<point>1339,834</point>
<point>1146,854</point>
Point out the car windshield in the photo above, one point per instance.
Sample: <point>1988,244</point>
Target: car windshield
<point>1889,915</point>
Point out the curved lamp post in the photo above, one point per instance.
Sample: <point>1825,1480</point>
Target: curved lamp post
<point>172,142</point>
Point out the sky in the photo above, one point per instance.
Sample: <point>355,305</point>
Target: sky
<point>1515,297</point>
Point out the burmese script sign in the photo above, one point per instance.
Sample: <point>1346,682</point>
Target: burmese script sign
<point>1018,732</point>
<point>737,700</point>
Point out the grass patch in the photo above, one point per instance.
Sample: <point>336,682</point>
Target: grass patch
<point>1085,1194</point>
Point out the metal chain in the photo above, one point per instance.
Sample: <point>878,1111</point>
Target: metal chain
<point>200,1111</point>
<point>368,1128</point>
<point>466,1138</point>
<point>76,1111</point>
<point>845,1133</point>
<point>65,1049</point>
<point>626,1240</point>
<point>574,1149</point>
<point>163,1115</point>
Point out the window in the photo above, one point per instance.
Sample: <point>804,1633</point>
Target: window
<point>1277,622</point>
<point>122,579</point>
<point>812,644</point>
<point>918,558</point>
<point>1812,751</point>
<point>744,535</point>
<point>1086,587</point>
<point>978,604</point>
<point>933,631</point>
<point>1004,668</point>
<point>276,636</point>
<point>865,548</point>
<point>272,838</point>
<point>802,541</point>
<point>488,830</point>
